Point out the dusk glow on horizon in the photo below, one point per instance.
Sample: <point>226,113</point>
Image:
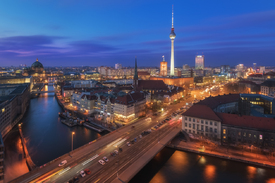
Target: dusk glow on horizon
<point>102,33</point>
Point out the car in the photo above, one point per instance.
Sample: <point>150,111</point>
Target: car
<point>71,181</point>
<point>62,163</point>
<point>140,136</point>
<point>75,179</point>
<point>135,139</point>
<point>105,159</point>
<point>120,149</point>
<point>82,173</point>
<point>101,162</point>
<point>115,151</point>
<point>128,144</point>
<point>87,171</point>
<point>113,154</point>
<point>132,141</point>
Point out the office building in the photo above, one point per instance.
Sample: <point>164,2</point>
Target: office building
<point>118,66</point>
<point>199,62</point>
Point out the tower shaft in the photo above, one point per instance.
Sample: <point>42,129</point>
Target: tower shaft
<point>172,59</point>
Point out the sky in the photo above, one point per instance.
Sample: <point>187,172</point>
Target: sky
<point>102,33</point>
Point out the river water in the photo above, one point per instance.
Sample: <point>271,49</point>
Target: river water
<point>170,166</point>
<point>48,138</point>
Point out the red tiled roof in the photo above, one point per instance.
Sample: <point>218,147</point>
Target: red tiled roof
<point>152,85</point>
<point>130,98</point>
<point>213,102</point>
<point>201,111</point>
<point>247,121</point>
<point>247,82</point>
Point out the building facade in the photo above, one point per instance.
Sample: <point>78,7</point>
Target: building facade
<point>13,107</point>
<point>199,62</point>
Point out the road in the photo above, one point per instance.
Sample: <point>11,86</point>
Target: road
<point>88,156</point>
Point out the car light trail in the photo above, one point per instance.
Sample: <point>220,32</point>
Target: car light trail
<point>114,142</point>
<point>119,142</point>
<point>89,160</point>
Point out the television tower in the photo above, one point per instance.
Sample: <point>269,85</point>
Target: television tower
<point>172,37</point>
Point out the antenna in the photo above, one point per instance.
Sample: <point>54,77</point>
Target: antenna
<point>163,57</point>
<point>172,16</point>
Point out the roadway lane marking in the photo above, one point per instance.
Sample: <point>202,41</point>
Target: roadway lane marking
<point>65,170</point>
<point>89,160</point>
<point>32,177</point>
<point>96,180</point>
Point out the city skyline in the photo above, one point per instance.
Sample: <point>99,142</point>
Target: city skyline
<point>96,34</point>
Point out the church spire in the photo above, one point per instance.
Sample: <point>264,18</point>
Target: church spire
<point>136,74</point>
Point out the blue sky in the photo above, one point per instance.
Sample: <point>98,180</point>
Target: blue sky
<point>95,33</point>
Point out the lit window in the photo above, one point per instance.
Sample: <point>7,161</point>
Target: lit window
<point>244,134</point>
<point>224,137</point>
<point>3,110</point>
<point>261,137</point>
<point>224,131</point>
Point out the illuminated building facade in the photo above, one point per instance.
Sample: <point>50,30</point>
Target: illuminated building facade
<point>199,62</point>
<point>13,105</point>
<point>182,82</point>
<point>163,68</point>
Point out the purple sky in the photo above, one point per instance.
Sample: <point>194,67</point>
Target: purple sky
<point>76,33</point>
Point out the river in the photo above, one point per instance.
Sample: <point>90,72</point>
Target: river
<point>170,166</point>
<point>48,138</point>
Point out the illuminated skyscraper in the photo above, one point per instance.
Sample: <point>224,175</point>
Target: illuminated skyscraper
<point>199,62</point>
<point>163,67</point>
<point>172,37</point>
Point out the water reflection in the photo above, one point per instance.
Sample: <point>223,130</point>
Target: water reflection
<point>251,171</point>
<point>178,167</point>
<point>47,138</point>
<point>272,180</point>
<point>209,173</point>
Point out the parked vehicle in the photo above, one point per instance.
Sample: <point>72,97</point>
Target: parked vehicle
<point>105,159</point>
<point>62,163</point>
<point>101,162</point>
<point>116,151</point>
<point>128,144</point>
<point>87,171</point>
<point>82,173</point>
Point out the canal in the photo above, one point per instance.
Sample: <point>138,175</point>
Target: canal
<point>47,138</point>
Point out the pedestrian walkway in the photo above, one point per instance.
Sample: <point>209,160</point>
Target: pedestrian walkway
<point>258,159</point>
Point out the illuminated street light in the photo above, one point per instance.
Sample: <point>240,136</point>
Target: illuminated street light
<point>73,141</point>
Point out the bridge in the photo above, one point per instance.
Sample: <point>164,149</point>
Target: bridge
<point>121,167</point>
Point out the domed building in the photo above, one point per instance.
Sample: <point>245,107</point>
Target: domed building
<point>36,70</point>
<point>37,67</point>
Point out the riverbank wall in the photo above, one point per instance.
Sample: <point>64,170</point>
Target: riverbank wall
<point>247,158</point>
<point>29,161</point>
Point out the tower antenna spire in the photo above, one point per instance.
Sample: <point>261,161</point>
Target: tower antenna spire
<point>172,16</point>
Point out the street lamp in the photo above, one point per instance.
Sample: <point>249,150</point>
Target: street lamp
<point>72,141</point>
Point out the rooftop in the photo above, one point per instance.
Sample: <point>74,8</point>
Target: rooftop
<point>248,121</point>
<point>213,102</point>
<point>201,111</point>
